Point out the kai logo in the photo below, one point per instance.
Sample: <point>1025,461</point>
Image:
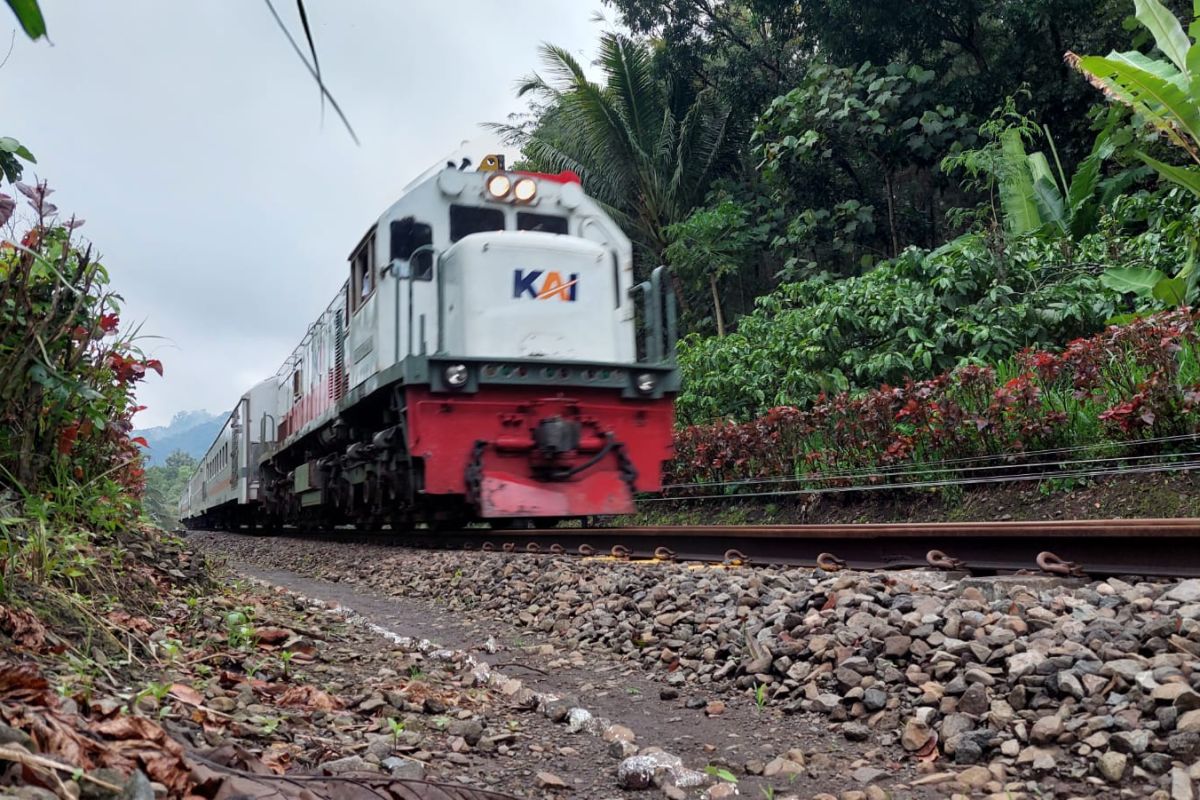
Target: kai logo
<point>545,285</point>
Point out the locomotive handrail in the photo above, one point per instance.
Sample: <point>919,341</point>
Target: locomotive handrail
<point>660,317</point>
<point>437,266</point>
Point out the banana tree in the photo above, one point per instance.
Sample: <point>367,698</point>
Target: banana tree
<point>1165,94</point>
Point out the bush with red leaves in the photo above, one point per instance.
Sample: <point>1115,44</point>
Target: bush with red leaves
<point>1133,381</point>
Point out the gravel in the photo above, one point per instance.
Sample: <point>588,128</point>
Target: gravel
<point>985,685</point>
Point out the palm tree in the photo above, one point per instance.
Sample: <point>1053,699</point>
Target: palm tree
<point>649,164</point>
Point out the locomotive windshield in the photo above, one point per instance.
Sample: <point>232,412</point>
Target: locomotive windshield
<point>547,223</point>
<point>465,220</point>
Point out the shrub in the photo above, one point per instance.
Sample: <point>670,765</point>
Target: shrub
<point>1133,381</point>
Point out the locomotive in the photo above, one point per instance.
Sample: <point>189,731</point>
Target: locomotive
<point>489,358</point>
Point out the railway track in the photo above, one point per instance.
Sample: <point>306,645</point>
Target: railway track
<point>1094,548</point>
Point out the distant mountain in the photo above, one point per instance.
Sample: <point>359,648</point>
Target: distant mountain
<point>189,431</point>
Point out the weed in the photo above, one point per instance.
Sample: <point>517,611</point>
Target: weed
<point>760,695</point>
<point>415,673</point>
<point>285,660</point>
<point>396,727</point>
<point>720,773</point>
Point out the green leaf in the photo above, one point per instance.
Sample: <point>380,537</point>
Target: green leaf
<point>1168,33</point>
<point>1016,189</point>
<point>1187,177</point>
<point>1160,100</point>
<point>1134,280</point>
<point>30,17</point>
<point>1171,291</point>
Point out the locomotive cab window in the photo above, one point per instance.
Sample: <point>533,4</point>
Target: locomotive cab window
<point>465,220</point>
<point>408,236</point>
<point>362,272</point>
<point>547,223</point>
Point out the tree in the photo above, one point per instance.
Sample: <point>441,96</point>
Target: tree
<point>1165,95</point>
<point>164,486</point>
<point>645,152</point>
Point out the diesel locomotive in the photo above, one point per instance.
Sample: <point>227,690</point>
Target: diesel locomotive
<point>489,358</point>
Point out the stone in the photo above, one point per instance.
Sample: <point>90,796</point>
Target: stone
<point>867,775</point>
<point>782,766</point>
<point>974,700</point>
<point>1046,730</point>
<point>1184,592</point>
<point>10,735</point>
<point>673,792</point>
<point>721,791</point>
<point>618,733</point>
<point>348,764</point>
<point>896,646</point>
<point>138,787</point>
<point>1189,721</point>
<point>1132,742</point>
<point>916,735</point>
<point>874,699</point>
<point>404,768</point>
<point>1023,664</point>
<point>1181,785</point>
<point>640,771</point>
<point>856,731</point>
<point>1112,765</point>
<point>715,708</point>
<point>668,693</point>
<point>548,780</point>
<point>975,777</point>
<point>1155,763</point>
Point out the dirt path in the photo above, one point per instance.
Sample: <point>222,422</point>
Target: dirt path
<point>706,728</point>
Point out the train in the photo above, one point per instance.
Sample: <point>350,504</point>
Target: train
<point>490,358</point>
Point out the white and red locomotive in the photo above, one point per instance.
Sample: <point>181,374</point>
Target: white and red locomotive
<point>482,362</point>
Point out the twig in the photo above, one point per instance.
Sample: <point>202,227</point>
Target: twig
<point>519,666</point>
<point>30,760</point>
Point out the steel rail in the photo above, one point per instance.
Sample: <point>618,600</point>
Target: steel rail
<point>1096,548</point>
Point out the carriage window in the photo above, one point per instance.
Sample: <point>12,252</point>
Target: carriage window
<point>296,385</point>
<point>547,223</point>
<point>465,220</point>
<point>362,272</point>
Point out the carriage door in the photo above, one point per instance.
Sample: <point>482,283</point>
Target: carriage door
<point>363,307</point>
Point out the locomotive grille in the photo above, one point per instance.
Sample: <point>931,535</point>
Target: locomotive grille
<point>337,384</point>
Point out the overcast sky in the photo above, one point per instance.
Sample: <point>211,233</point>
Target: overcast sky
<point>189,137</point>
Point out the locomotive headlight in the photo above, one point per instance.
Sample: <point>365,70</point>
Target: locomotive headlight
<point>456,375</point>
<point>525,190</point>
<point>646,382</point>
<point>498,185</point>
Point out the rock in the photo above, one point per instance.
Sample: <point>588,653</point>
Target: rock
<point>975,777</point>
<point>865,775</point>
<point>721,791</point>
<point>1046,730</point>
<point>1023,664</point>
<point>1185,591</point>
<point>433,706</point>
<point>668,693</point>
<point>856,731</point>
<point>404,768</point>
<point>896,646</point>
<point>13,736</point>
<point>874,699</point>
<point>348,764</point>
<point>137,787</point>
<point>1155,763</point>
<point>673,792</point>
<point>1112,765</point>
<point>618,733</point>
<point>714,708</point>
<point>1189,721</point>
<point>1131,742</point>
<point>916,735</point>
<point>222,703</point>
<point>782,766</point>
<point>548,780</point>
<point>974,700</point>
<point>1181,785</point>
<point>638,772</point>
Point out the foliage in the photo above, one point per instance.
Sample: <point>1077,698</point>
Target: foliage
<point>924,312</point>
<point>711,245</point>
<point>164,487</point>
<point>1165,94</point>
<point>852,154</point>
<point>645,152</point>
<point>69,470</point>
<point>1133,381</point>
<point>30,16</point>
